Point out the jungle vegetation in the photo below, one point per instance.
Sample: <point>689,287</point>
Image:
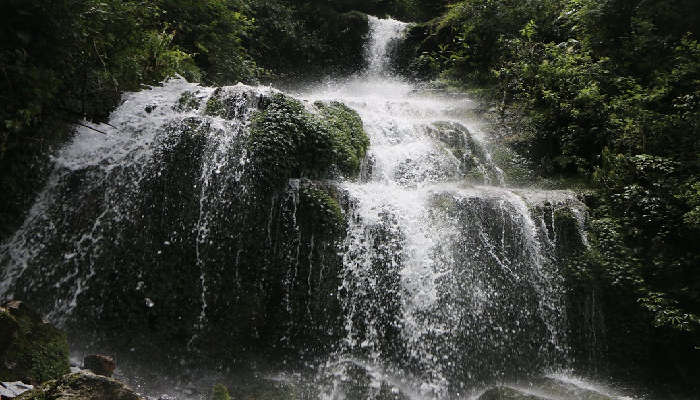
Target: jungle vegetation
<point>602,94</point>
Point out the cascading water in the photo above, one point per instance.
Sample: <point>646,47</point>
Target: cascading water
<point>450,279</point>
<point>188,223</point>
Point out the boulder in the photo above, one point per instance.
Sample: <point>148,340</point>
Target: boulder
<point>99,364</point>
<point>81,386</point>
<point>558,388</point>
<point>31,349</point>
<point>507,393</point>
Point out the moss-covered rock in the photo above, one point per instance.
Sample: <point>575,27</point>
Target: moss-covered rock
<point>31,350</point>
<point>350,142</point>
<point>255,387</point>
<point>321,209</point>
<point>217,238</point>
<point>100,364</point>
<point>230,102</point>
<point>220,392</point>
<point>288,141</point>
<point>474,162</point>
<point>188,101</point>
<point>81,386</point>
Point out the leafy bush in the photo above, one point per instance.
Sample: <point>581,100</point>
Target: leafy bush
<point>303,40</point>
<point>214,31</point>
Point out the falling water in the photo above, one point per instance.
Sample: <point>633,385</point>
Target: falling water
<point>447,280</point>
<point>104,171</point>
<point>450,279</point>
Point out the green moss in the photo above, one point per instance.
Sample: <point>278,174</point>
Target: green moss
<point>444,202</point>
<point>256,388</point>
<point>215,106</point>
<point>49,360</point>
<point>219,392</point>
<point>288,141</point>
<point>285,142</point>
<point>231,103</point>
<point>350,142</point>
<point>516,171</point>
<point>188,101</point>
<point>456,139</point>
<point>476,175</point>
<point>325,212</point>
<point>81,386</point>
<point>31,349</point>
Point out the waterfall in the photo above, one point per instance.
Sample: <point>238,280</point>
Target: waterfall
<point>180,225</point>
<point>449,277</point>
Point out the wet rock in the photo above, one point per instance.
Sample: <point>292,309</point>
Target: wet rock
<point>31,349</point>
<point>474,160</point>
<point>188,101</point>
<point>251,215</point>
<point>81,386</point>
<point>507,393</point>
<point>9,390</point>
<point>228,102</point>
<point>100,364</point>
<point>361,382</point>
<point>560,389</point>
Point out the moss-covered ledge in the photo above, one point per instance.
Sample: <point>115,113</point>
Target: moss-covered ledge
<point>81,386</point>
<point>31,349</point>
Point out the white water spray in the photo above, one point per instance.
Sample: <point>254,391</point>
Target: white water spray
<point>434,258</point>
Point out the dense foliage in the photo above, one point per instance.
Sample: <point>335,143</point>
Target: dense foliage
<point>63,61</point>
<point>600,91</point>
<point>606,92</point>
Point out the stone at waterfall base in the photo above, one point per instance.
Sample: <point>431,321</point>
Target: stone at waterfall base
<point>507,393</point>
<point>31,349</point>
<point>99,364</point>
<point>81,386</point>
<point>543,389</point>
